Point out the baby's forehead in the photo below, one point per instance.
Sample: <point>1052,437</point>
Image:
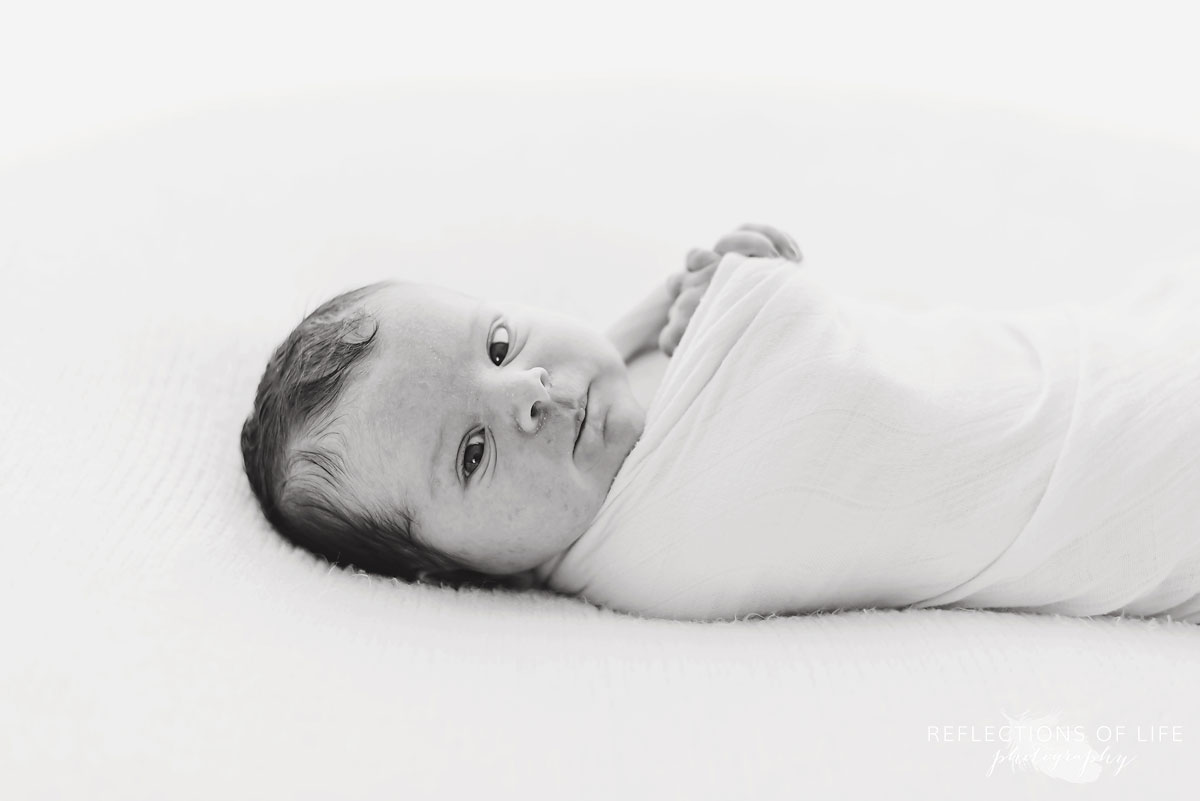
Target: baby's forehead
<point>423,333</point>
<point>414,316</point>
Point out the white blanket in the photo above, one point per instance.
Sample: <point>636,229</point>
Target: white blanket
<point>163,642</point>
<point>812,451</point>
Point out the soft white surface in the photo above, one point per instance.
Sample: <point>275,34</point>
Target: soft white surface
<point>811,451</point>
<point>163,642</point>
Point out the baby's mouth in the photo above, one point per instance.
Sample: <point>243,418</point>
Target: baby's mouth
<point>580,420</point>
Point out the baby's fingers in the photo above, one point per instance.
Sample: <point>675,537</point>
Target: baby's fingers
<point>674,285</point>
<point>783,243</point>
<point>747,243</point>
<point>699,258</point>
<point>671,335</point>
<point>668,340</point>
<point>677,320</point>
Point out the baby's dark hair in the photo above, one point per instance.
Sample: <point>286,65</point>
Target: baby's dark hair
<point>297,472</point>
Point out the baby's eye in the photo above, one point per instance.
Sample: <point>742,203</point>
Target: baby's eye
<point>472,456</point>
<point>500,342</point>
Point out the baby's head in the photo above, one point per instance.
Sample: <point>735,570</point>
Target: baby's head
<point>416,432</point>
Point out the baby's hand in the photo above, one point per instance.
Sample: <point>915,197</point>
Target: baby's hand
<point>687,287</point>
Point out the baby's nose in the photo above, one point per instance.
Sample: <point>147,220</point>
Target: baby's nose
<point>532,399</point>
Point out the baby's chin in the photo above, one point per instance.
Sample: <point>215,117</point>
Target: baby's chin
<point>623,427</point>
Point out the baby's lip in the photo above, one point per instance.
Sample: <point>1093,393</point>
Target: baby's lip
<point>580,416</point>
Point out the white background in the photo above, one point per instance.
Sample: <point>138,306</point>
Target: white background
<point>70,70</point>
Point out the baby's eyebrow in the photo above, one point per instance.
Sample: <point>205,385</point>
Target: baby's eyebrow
<point>437,453</point>
<point>438,448</point>
<point>472,325</point>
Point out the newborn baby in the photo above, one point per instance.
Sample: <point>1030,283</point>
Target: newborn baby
<point>802,450</point>
<point>417,432</point>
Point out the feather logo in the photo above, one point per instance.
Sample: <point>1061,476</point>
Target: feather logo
<point>1049,747</point>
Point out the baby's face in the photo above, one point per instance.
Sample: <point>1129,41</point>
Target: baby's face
<point>465,413</point>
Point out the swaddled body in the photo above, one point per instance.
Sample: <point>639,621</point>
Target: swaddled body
<point>810,451</point>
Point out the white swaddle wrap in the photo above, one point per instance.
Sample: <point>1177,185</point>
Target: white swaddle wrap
<point>810,451</point>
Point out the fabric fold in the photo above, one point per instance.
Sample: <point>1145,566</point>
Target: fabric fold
<point>811,451</point>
